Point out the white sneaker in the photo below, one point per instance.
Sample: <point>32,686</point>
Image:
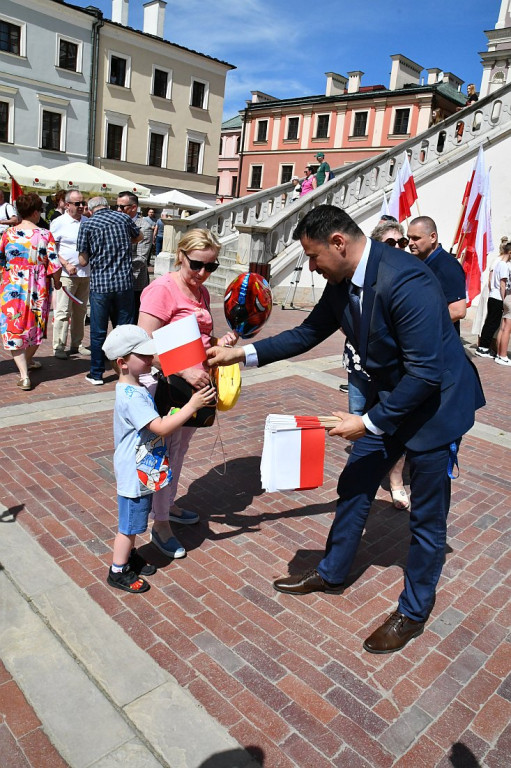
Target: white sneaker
<point>96,382</point>
<point>503,360</point>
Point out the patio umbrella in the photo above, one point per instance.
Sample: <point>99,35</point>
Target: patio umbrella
<point>92,180</point>
<point>175,199</point>
<point>24,176</point>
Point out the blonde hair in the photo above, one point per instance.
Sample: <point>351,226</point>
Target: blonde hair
<point>196,240</point>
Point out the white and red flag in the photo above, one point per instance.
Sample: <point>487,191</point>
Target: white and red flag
<point>179,345</point>
<point>408,184</point>
<point>404,193</point>
<point>293,453</point>
<point>466,232</point>
<point>479,242</point>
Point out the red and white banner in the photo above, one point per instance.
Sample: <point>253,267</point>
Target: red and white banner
<point>408,183</point>
<point>467,228</point>
<point>179,345</point>
<point>293,453</point>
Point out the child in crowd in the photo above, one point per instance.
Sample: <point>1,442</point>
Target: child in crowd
<point>140,459</point>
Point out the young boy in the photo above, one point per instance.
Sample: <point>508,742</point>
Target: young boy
<point>140,461</point>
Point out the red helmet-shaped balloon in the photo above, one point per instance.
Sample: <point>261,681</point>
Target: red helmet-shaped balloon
<point>247,304</point>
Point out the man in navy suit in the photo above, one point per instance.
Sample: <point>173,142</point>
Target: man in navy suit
<point>422,398</point>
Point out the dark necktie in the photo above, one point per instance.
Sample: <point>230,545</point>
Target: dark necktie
<point>355,309</point>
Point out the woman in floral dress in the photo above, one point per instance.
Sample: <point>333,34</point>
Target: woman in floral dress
<point>27,257</point>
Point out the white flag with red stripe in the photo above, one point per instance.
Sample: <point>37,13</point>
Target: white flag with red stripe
<point>293,453</point>
<point>384,210</point>
<point>466,232</point>
<point>404,193</point>
<point>408,183</point>
<point>479,244</point>
<point>179,345</point>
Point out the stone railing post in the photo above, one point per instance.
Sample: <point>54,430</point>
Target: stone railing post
<point>173,230</point>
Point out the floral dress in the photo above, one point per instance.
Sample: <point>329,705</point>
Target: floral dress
<point>27,258</point>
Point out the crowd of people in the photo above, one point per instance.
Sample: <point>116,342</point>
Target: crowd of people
<point>412,390</point>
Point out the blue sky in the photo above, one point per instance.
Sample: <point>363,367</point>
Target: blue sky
<point>284,48</point>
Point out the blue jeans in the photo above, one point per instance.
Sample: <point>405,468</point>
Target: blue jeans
<point>158,244</point>
<point>357,393</point>
<point>117,306</point>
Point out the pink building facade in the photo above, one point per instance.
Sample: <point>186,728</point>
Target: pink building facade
<point>229,160</point>
<point>349,123</point>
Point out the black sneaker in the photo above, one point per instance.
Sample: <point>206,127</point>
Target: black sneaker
<point>127,580</point>
<point>482,352</point>
<point>139,565</point>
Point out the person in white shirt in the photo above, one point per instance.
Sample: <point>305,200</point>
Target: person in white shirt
<point>75,279</point>
<point>8,216</point>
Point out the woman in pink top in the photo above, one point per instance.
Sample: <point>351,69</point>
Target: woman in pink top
<point>168,298</point>
<point>309,182</point>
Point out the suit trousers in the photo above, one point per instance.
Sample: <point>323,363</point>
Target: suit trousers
<point>68,312</point>
<point>371,458</point>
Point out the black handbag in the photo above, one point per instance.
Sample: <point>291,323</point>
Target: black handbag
<point>174,392</point>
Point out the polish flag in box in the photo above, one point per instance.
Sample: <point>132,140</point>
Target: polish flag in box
<point>293,453</point>
<point>179,345</point>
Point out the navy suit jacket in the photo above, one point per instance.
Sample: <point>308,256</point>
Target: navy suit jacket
<point>423,389</point>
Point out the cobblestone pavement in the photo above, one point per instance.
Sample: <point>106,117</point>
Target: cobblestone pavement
<point>285,677</point>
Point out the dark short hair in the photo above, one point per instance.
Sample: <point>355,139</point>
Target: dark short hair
<point>322,221</point>
<point>26,205</point>
<point>132,198</point>
<point>425,221</point>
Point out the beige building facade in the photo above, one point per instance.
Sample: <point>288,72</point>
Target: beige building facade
<point>159,106</point>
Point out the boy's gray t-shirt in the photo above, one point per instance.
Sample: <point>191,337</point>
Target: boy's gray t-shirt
<point>139,453</point>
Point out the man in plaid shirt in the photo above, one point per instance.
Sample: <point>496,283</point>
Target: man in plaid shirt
<point>104,242</point>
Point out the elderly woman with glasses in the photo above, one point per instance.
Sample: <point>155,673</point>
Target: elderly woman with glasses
<point>168,298</point>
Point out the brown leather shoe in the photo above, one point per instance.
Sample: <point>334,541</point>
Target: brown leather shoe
<point>308,582</point>
<point>393,634</point>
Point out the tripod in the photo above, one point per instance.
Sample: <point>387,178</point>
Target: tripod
<point>293,285</point>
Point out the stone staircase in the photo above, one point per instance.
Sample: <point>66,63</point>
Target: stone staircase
<point>258,228</point>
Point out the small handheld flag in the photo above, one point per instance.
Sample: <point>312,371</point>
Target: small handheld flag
<point>179,345</point>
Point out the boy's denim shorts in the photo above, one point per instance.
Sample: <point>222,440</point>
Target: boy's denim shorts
<point>134,514</point>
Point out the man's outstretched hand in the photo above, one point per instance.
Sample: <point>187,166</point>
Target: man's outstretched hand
<point>225,356</point>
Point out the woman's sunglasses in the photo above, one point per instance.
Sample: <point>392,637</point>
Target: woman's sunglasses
<point>196,266</point>
<point>402,242</point>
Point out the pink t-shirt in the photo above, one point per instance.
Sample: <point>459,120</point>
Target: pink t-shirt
<point>164,299</point>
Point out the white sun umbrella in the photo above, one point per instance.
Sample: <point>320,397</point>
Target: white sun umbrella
<point>93,181</point>
<point>175,199</point>
<point>24,176</point>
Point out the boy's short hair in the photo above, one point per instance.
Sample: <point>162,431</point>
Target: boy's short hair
<point>125,339</point>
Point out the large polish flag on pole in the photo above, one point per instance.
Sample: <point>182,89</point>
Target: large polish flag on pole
<point>408,183</point>
<point>465,233</point>
<point>179,345</point>
<point>481,244</point>
<point>293,453</point>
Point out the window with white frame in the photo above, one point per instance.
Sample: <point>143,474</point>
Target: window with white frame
<point>7,95</point>
<point>322,126</point>
<point>69,54</point>
<point>52,122</point>
<point>157,144</point>
<point>401,118</point>
<point>13,36</point>
<point>286,173</point>
<point>293,124</point>
<point>360,124</point>
<point>195,152</point>
<point>262,131</point>
<point>116,136</point>
<point>162,82</point>
<point>119,69</point>
<point>256,177</point>
<point>199,93</point>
